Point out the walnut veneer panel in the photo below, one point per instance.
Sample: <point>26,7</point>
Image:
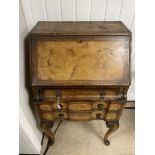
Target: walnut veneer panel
<point>70,60</point>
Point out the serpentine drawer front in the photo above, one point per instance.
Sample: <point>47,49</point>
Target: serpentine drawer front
<point>79,71</point>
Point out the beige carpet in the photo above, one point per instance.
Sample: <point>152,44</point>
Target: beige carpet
<point>86,138</point>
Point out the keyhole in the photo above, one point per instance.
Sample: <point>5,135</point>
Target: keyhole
<point>59,106</point>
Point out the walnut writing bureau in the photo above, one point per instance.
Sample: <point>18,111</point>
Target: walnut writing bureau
<point>79,71</point>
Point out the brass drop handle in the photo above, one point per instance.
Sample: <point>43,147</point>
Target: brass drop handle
<point>100,106</point>
<point>98,116</point>
<point>61,115</point>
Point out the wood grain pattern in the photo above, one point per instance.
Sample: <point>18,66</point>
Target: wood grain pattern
<point>69,60</point>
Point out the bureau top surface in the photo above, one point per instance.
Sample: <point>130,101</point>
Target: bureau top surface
<point>80,28</point>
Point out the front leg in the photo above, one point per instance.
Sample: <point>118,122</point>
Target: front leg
<point>113,126</point>
<point>46,128</point>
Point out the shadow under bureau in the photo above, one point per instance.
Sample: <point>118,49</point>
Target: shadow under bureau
<point>79,71</point>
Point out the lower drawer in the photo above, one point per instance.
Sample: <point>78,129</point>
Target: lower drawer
<point>80,116</point>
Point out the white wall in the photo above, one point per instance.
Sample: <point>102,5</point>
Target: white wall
<point>29,135</point>
<point>32,11</point>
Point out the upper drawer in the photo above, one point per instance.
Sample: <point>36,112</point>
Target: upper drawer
<point>82,94</point>
<point>67,62</point>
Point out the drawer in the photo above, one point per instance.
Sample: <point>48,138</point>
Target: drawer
<point>87,106</point>
<point>81,94</point>
<point>75,116</point>
<point>73,106</point>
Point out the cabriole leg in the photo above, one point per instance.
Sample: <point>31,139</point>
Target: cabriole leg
<point>46,128</point>
<point>113,126</point>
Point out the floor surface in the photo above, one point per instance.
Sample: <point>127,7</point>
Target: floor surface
<point>86,138</point>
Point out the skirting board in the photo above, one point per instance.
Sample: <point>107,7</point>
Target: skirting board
<point>130,104</point>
